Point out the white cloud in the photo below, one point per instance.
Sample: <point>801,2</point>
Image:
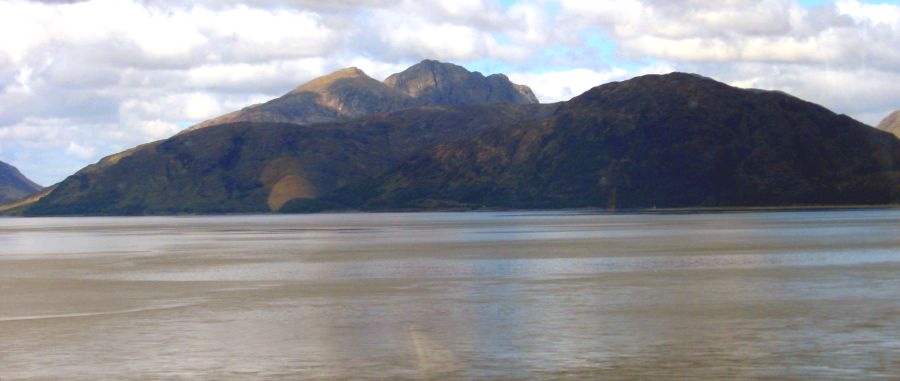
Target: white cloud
<point>23,81</point>
<point>201,106</point>
<point>23,27</point>
<point>843,55</point>
<point>375,69</point>
<point>188,106</point>
<point>884,14</point>
<point>536,27</point>
<point>558,86</point>
<point>445,41</point>
<point>38,131</point>
<point>277,75</point>
<point>864,94</point>
<point>83,152</point>
<point>108,74</point>
<point>685,18</point>
<point>157,129</point>
<point>848,33</point>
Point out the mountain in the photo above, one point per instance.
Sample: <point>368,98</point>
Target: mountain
<point>891,123</point>
<point>258,166</point>
<point>13,185</point>
<point>676,140</point>
<point>350,93</point>
<point>324,134</point>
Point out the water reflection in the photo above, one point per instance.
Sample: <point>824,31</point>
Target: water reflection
<point>802,295</point>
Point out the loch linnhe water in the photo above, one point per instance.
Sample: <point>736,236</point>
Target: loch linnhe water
<point>783,295</point>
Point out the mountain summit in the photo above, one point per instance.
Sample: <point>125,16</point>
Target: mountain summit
<point>891,123</point>
<point>349,93</point>
<point>433,82</point>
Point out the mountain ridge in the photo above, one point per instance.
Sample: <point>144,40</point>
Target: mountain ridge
<point>350,93</point>
<point>675,140</point>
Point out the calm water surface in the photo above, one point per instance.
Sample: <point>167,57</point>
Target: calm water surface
<point>746,296</point>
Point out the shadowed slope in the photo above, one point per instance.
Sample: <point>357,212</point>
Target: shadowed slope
<point>14,185</point>
<point>676,140</point>
<point>257,167</point>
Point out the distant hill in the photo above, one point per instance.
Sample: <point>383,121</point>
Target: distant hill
<point>676,140</point>
<point>891,123</point>
<point>350,93</point>
<point>245,167</point>
<point>326,133</point>
<point>13,185</point>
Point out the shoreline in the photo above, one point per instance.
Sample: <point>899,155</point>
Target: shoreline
<point>677,210</point>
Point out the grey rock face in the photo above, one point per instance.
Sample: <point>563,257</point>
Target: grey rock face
<point>891,123</point>
<point>433,82</point>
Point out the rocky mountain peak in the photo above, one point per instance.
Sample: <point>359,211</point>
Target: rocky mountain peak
<point>434,82</point>
<point>891,123</point>
<point>426,76</point>
<point>349,93</point>
<point>324,82</point>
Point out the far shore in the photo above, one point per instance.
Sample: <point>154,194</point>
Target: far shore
<point>6,211</point>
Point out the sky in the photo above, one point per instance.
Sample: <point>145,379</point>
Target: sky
<point>80,80</point>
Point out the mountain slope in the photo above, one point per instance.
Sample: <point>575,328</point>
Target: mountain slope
<point>14,185</point>
<point>891,123</point>
<point>350,93</point>
<point>257,167</point>
<point>345,94</point>
<point>676,140</point>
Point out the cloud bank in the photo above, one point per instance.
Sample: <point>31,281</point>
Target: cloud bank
<point>81,80</point>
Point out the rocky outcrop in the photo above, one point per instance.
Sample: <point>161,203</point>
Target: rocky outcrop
<point>891,123</point>
<point>433,82</point>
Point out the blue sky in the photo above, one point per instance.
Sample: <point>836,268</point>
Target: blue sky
<point>78,85</point>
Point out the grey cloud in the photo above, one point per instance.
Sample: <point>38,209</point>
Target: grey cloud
<point>314,5</point>
<point>867,95</point>
<point>111,82</point>
<point>58,1</point>
<point>93,82</point>
<point>777,31</point>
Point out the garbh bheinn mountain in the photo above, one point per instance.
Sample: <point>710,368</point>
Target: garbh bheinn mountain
<point>436,136</point>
